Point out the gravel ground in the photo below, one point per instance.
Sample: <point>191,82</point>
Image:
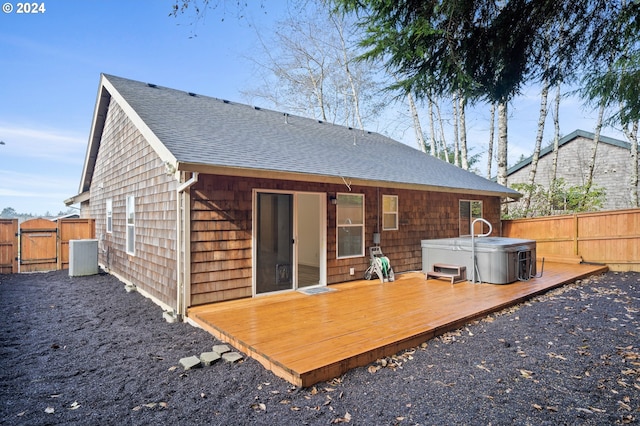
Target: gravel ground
<point>83,351</point>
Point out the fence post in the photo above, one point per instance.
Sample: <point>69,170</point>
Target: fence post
<point>575,234</point>
<point>59,244</point>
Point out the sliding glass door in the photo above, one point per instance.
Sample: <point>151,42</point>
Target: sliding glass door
<point>274,251</point>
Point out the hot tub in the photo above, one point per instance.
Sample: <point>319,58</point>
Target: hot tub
<point>500,260</point>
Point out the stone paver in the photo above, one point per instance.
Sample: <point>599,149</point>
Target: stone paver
<point>221,349</point>
<point>190,362</point>
<point>208,358</point>
<point>231,357</point>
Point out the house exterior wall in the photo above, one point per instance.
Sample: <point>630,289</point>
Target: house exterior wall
<point>612,170</point>
<point>126,165</point>
<point>221,230</point>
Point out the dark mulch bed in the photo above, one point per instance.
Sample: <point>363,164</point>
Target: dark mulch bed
<point>83,351</point>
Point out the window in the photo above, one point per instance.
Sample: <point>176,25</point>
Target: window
<point>131,227</point>
<point>469,211</point>
<point>389,212</point>
<point>109,216</point>
<point>350,225</point>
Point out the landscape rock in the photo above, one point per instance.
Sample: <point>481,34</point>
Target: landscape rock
<point>169,317</point>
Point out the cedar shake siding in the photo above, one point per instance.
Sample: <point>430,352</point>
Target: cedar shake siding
<point>126,165</point>
<point>612,171</point>
<point>221,230</point>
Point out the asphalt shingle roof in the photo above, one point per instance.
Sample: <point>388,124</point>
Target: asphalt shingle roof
<point>209,131</point>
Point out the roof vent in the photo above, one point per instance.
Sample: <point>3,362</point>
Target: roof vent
<point>192,94</point>
<point>152,85</point>
<point>286,118</point>
<point>257,108</point>
<point>225,101</point>
<point>320,121</point>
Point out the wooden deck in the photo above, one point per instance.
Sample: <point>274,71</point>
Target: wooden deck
<point>306,339</point>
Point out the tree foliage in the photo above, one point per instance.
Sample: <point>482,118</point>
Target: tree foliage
<point>558,199</point>
<point>199,7</point>
<point>308,66</point>
<point>11,213</point>
<point>612,77</point>
<point>484,48</point>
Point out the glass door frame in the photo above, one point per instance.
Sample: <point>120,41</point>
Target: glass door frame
<point>322,249</point>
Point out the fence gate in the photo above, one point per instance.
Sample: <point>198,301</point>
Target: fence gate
<point>38,245</point>
<point>8,246</point>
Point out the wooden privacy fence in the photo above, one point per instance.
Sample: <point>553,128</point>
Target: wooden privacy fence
<point>8,246</point>
<point>40,244</point>
<point>609,237</point>
<point>72,229</point>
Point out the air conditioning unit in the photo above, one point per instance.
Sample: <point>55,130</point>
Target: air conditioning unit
<point>83,257</point>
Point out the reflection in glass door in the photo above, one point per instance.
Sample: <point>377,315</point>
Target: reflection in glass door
<point>274,251</point>
<point>309,245</point>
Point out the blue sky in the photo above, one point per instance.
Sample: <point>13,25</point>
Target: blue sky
<point>51,63</point>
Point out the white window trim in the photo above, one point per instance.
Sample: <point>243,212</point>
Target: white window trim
<point>131,209</point>
<point>338,226</point>
<point>394,213</point>
<point>109,216</point>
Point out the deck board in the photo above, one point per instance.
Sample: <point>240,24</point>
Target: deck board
<point>310,338</point>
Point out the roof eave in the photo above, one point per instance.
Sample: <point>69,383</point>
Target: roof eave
<point>76,199</point>
<point>97,126</point>
<point>106,91</point>
<point>330,179</point>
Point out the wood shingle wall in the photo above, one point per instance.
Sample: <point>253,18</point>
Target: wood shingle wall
<point>128,166</point>
<point>612,170</point>
<point>221,229</point>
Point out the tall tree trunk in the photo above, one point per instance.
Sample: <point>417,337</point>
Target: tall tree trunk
<point>443,140</point>
<point>632,136</point>
<point>502,143</point>
<point>502,148</point>
<point>416,124</point>
<point>536,151</point>
<point>556,147</point>
<point>594,151</point>
<point>318,90</point>
<point>463,133</point>
<point>434,146</point>
<point>345,57</point>
<point>456,141</point>
<point>491,137</point>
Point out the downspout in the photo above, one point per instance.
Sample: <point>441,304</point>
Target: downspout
<point>183,237</point>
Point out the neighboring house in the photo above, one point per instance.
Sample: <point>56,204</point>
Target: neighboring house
<point>612,170</point>
<point>67,216</point>
<point>200,200</point>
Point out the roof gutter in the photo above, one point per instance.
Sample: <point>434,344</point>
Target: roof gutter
<point>183,244</point>
<point>328,179</point>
